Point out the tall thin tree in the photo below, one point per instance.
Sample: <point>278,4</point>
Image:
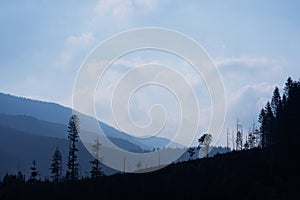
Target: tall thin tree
<point>34,173</point>
<point>239,135</point>
<point>96,169</point>
<point>269,124</point>
<point>262,128</point>
<point>73,166</point>
<point>56,166</point>
<point>276,101</point>
<point>239,140</point>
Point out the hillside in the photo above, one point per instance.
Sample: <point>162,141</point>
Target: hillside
<point>18,150</point>
<point>252,174</point>
<point>51,119</point>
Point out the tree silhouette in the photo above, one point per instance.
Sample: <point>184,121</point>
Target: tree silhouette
<point>239,140</point>
<point>277,108</point>
<point>289,117</point>
<point>96,169</point>
<point>266,120</point>
<point>73,166</point>
<point>191,152</point>
<point>34,173</point>
<point>262,128</point>
<point>276,101</point>
<point>269,121</point>
<point>288,88</point>
<point>204,141</point>
<point>279,119</point>
<point>251,140</point>
<point>56,166</point>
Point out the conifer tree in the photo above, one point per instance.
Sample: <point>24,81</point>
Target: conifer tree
<point>96,169</point>
<point>239,140</point>
<point>276,101</point>
<point>56,166</point>
<point>262,121</point>
<point>269,124</point>
<point>73,166</point>
<point>34,173</point>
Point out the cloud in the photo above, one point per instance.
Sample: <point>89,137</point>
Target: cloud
<point>246,102</point>
<point>145,97</point>
<point>75,47</point>
<point>125,8</point>
<point>252,92</point>
<point>81,40</point>
<point>245,62</point>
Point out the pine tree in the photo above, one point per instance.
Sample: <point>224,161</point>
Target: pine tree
<point>239,136</point>
<point>267,128</point>
<point>251,140</point>
<point>239,140</point>
<point>96,169</point>
<point>288,87</point>
<point>56,166</point>
<point>73,166</point>
<point>262,121</point>
<point>276,101</point>
<point>289,125</point>
<point>34,173</point>
<point>269,124</point>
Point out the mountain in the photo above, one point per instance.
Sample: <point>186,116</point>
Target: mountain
<point>18,149</point>
<point>31,130</point>
<point>33,125</point>
<point>38,127</point>
<point>53,118</point>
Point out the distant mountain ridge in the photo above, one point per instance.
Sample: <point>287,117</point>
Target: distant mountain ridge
<point>33,125</point>
<point>31,130</point>
<point>47,111</point>
<point>58,116</point>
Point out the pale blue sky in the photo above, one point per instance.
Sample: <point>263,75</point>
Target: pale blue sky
<point>255,44</point>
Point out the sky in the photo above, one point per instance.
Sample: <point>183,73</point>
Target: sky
<point>254,44</point>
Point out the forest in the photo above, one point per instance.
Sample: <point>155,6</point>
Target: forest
<point>266,166</point>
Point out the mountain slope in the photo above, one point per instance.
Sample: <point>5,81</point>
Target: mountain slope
<point>59,116</point>
<point>34,126</point>
<point>46,111</point>
<point>18,149</point>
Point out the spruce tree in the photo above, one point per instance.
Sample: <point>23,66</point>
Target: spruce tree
<point>239,140</point>
<point>56,166</point>
<point>34,173</point>
<point>262,128</point>
<point>269,124</point>
<point>73,166</point>
<point>276,101</point>
<point>96,169</point>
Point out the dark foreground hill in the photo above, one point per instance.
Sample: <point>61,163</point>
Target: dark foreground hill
<point>252,174</point>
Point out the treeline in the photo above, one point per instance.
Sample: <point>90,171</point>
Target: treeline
<point>279,120</point>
